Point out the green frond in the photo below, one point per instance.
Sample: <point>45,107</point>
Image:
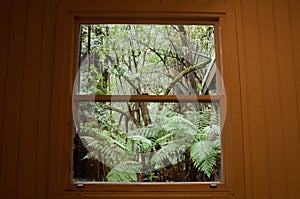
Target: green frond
<point>208,163</point>
<point>170,153</point>
<point>139,143</point>
<point>212,129</point>
<point>203,154</point>
<point>140,139</point>
<point>198,151</point>
<point>125,172</point>
<point>147,132</point>
<point>105,147</point>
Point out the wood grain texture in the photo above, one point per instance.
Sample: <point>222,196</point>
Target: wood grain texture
<point>30,99</point>
<point>255,106</point>
<point>273,104</point>
<point>13,102</point>
<point>267,63</point>
<point>246,111</point>
<point>44,104</point>
<point>294,7</point>
<point>5,13</point>
<point>289,40</point>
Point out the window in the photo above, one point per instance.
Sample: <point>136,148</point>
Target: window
<point>94,88</point>
<point>147,104</point>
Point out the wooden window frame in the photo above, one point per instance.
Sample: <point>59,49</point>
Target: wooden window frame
<point>70,15</point>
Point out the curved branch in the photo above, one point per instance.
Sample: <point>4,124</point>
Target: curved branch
<point>127,115</point>
<point>182,73</point>
<point>132,84</point>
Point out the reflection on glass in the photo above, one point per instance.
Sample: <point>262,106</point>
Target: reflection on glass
<point>126,59</point>
<point>173,142</point>
<point>162,139</point>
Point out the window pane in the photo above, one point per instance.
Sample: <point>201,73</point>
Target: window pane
<point>143,141</point>
<point>152,142</point>
<point>136,59</point>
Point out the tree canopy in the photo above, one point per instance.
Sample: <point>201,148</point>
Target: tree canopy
<point>144,141</point>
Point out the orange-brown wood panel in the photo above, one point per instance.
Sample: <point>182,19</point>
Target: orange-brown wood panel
<point>255,103</point>
<point>148,5</point>
<point>4,41</point>
<point>295,28</point>
<point>30,99</point>
<point>13,102</point>
<point>234,113</point>
<point>272,101</point>
<point>292,137</point>
<point>243,73</point>
<point>290,117</point>
<point>45,79</point>
<point>59,106</point>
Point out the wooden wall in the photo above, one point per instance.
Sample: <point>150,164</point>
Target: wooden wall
<point>269,48</point>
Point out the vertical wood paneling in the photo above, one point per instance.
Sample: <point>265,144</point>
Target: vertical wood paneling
<point>60,95</point>
<point>13,102</point>
<point>290,118</point>
<point>234,108</point>
<point>281,121</point>
<point>245,101</point>
<point>295,28</point>
<point>46,75</point>
<point>273,111</point>
<point>45,79</point>
<point>4,41</point>
<point>28,136</point>
<point>269,48</point>
<point>255,108</point>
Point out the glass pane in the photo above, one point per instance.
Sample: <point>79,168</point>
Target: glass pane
<point>120,59</point>
<point>147,142</point>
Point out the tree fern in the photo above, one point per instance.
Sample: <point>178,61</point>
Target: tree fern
<point>105,147</point>
<point>204,151</point>
<point>169,153</point>
<point>209,162</point>
<point>178,136</point>
<point>125,172</point>
<point>140,143</point>
<point>162,143</point>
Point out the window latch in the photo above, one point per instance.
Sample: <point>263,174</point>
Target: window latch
<point>80,185</point>
<point>213,185</point>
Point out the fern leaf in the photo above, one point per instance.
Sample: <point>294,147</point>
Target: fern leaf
<point>208,163</point>
<point>170,153</point>
<point>125,172</point>
<point>203,154</point>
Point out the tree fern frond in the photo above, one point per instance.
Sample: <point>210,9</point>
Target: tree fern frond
<point>125,172</point>
<point>169,153</point>
<point>140,138</point>
<point>103,145</point>
<point>199,151</point>
<point>162,140</point>
<point>203,154</point>
<point>147,132</point>
<point>212,129</point>
<point>140,143</point>
<point>208,163</point>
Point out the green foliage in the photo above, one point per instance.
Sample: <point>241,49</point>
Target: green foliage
<point>171,135</point>
<point>203,154</point>
<point>206,146</point>
<point>135,137</point>
<point>125,172</point>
